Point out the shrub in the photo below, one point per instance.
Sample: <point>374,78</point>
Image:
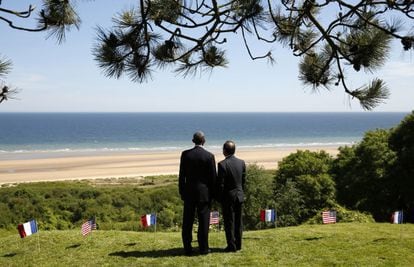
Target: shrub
<point>361,173</point>
<point>66,205</point>
<point>401,141</point>
<point>303,185</point>
<point>258,195</point>
<point>344,215</point>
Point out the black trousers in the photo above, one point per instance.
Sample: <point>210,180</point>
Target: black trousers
<point>203,214</point>
<point>233,224</point>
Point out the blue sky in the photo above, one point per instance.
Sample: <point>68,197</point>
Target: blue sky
<point>65,78</point>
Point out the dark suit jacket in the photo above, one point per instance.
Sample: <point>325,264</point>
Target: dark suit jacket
<point>197,175</point>
<point>231,179</point>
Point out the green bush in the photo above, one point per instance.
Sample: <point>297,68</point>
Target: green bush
<point>258,195</point>
<point>289,204</point>
<point>361,173</point>
<point>302,186</point>
<point>66,205</point>
<point>401,141</point>
<point>344,215</point>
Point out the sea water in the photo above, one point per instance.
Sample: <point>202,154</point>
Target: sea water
<point>64,133</point>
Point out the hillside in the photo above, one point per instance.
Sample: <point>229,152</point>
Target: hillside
<point>327,245</point>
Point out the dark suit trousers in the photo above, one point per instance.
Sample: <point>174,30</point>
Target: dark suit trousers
<point>203,215</point>
<point>233,224</point>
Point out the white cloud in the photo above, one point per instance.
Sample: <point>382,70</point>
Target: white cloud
<point>398,70</point>
<point>28,81</point>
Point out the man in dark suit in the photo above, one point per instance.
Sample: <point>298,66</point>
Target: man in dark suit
<point>196,181</point>
<point>231,179</point>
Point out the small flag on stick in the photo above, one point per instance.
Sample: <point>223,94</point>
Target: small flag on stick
<point>329,216</point>
<point>148,220</point>
<point>28,228</point>
<point>268,215</point>
<point>397,217</point>
<point>88,226</point>
<point>214,217</point>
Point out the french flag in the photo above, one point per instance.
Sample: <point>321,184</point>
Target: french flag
<point>148,219</point>
<point>397,217</point>
<point>268,215</point>
<point>28,228</point>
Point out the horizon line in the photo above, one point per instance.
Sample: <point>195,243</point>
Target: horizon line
<point>359,111</point>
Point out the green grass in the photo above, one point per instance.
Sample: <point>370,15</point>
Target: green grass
<point>370,244</point>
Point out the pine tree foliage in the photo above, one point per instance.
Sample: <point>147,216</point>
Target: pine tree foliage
<point>5,91</point>
<point>332,37</point>
<point>127,48</point>
<point>58,16</point>
<point>371,95</point>
<point>5,66</point>
<point>55,16</point>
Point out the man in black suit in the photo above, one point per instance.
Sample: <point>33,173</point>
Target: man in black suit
<point>196,181</point>
<point>231,179</point>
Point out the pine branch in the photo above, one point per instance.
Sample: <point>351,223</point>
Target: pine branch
<point>371,95</point>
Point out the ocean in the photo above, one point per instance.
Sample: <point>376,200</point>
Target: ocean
<point>34,134</point>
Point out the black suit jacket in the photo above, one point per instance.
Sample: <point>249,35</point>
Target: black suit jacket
<point>197,175</point>
<point>231,179</point>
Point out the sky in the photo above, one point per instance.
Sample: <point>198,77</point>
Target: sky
<point>64,77</point>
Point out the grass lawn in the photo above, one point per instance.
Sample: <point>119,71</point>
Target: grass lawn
<point>370,244</point>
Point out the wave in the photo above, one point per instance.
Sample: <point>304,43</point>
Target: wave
<point>312,144</point>
<point>172,148</point>
<point>104,149</point>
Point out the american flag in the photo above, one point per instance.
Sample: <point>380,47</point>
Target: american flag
<point>329,216</point>
<point>214,217</point>
<point>88,226</point>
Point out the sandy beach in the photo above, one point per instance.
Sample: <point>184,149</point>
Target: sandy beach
<point>118,165</point>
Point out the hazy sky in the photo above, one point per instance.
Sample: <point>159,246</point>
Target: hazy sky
<point>65,78</point>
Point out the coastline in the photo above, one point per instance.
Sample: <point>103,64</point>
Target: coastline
<point>66,166</point>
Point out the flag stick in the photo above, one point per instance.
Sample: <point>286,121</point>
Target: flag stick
<point>402,220</point>
<point>84,238</point>
<point>38,241</point>
<point>23,246</point>
<point>155,225</point>
<point>218,226</point>
<point>18,244</point>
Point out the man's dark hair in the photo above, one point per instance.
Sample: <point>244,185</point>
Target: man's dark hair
<point>229,148</point>
<point>198,138</point>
